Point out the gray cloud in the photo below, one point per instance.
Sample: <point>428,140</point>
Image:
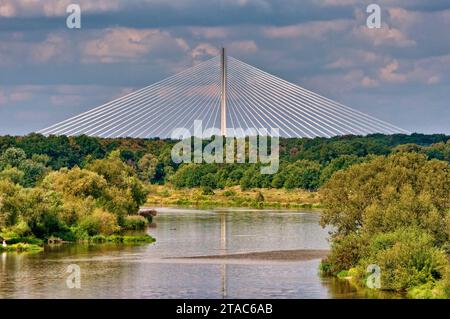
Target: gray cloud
<point>399,73</point>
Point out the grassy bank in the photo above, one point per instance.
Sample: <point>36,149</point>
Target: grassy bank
<point>21,247</point>
<point>232,197</point>
<point>32,244</point>
<point>99,239</point>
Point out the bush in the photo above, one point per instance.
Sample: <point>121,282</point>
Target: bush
<point>229,193</point>
<point>100,222</point>
<point>303,174</point>
<point>345,254</point>
<point>407,258</point>
<point>25,240</point>
<point>207,190</point>
<point>22,229</point>
<point>135,222</point>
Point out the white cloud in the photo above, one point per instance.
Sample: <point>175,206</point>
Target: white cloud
<point>15,51</point>
<point>313,30</point>
<point>125,44</point>
<point>389,73</point>
<point>54,47</point>
<point>385,36</point>
<point>203,50</point>
<point>351,58</point>
<point>27,8</point>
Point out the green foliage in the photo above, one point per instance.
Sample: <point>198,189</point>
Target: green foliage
<point>407,258</point>
<point>12,157</point>
<point>13,174</point>
<point>393,212</point>
<point>345,253</point>
<point>76,182</point>
<point>10,203</point>
<point>99,239</point>
<point>337,164</point>
<point>69,203</point>
<point>99,222</point>
<point>21,248</point>
<point>147,168</point>
<point>229,193</point>
<point>303,174</point>
<point>25,240</point>
<point>195,175</point>
<point>388,192</point>
<point>33,172</point>
<point>40,209</point>
<point>207,190</point>
<point>135,222</point>
<point>151,158</point>
<point>20,170</point>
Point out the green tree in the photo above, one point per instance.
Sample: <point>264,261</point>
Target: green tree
<point>10,202</point>
<point>208,180</point>
<point>378,196</point>
<point>12,157</point>
<point>303,174</point>
<point>13,174</point>
<point>147,168</point>
<point>338,164</point>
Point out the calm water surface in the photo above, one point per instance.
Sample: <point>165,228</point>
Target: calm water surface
<point>119,271</point>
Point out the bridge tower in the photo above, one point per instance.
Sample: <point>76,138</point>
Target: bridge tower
<point>223,98</point>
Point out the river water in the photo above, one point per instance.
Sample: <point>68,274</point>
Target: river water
<point>150,271</point>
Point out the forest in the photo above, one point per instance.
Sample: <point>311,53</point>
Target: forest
<point>304,163</point>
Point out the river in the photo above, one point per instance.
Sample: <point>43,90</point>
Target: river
<point>160,270</point>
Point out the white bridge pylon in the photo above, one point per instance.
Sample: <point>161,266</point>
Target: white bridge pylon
<point>222,92</point>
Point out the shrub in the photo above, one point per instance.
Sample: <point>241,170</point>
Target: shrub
<point>303,174</point>
<point>25,240</point>
<point>22,229</point>
<point>100,222</point>
<point>229,193</point>
<point>345,254</point>
<point>407,258</point>
<point>207,190</point>
<point>135,222</point>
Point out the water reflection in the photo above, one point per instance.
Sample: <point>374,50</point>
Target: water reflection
<point>117,271</point>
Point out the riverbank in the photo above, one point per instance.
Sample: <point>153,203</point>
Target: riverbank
<point>21,248</point>
<point>232,197</point>
<point>31,244</point>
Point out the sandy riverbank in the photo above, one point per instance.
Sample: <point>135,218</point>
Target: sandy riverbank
<point>276,255</point>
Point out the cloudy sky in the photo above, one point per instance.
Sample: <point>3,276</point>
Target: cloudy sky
<point>399,73</point>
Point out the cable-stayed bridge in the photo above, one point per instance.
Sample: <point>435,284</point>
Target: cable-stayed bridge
<point>224,93</point>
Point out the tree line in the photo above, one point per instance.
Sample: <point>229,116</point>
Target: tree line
<point>304,162</point>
